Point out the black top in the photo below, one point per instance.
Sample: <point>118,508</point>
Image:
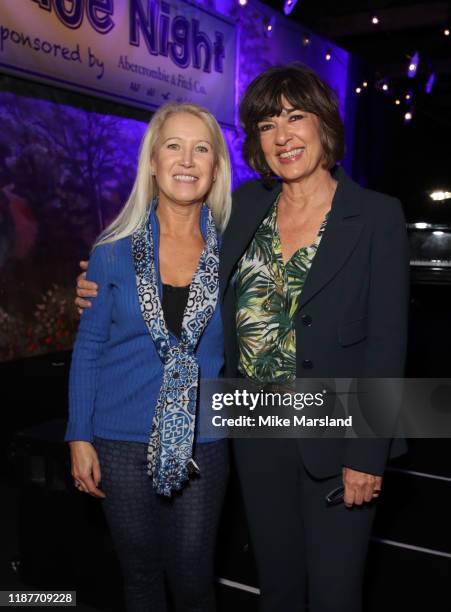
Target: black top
<point>174,302</point>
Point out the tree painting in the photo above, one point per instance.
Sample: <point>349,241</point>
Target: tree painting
<point>64,174</point>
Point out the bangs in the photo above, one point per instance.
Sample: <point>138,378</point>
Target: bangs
<point>269,103</point>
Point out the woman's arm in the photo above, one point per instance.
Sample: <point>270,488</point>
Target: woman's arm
<point>93,332</point>
<point>387,325</point>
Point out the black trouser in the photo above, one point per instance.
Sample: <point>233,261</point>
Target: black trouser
<point>301,545</point>
<point>159,538</point>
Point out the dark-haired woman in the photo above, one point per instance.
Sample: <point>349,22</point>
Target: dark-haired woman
<point>313,283</point>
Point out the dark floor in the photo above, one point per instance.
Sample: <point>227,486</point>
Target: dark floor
<point>56,538</point>
<point>50,539</point>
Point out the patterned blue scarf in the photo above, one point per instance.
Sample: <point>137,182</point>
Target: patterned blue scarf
<point>170,448</point>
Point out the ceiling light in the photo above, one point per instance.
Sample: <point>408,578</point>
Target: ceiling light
<point>413,65</point>
<point>430,83</point>
<point>289,6</point>
<point>439,196</point>
<point>269,26</point>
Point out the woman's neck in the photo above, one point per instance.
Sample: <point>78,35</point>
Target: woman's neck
<point>315,191</point>
<point>178,220</point>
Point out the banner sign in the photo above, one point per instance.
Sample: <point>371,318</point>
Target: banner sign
<point>139,52</point>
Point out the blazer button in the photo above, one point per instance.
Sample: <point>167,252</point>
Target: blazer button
<point>306,320</point>
<point>307,364</point>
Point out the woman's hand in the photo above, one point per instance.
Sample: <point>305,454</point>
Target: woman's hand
<point>85,467</point>
<point>360,487</point>
<point>84,289</point>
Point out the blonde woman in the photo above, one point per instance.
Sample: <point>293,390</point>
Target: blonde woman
<point>152,328</point>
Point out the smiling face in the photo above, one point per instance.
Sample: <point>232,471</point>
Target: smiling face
<point>184,162</point>
<point>291,143</point>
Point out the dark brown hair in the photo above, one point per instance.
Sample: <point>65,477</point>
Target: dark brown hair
<point>304,90</point>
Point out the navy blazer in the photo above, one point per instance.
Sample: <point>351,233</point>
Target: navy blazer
<point>352,315</point>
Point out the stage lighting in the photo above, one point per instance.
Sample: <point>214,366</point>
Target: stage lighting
<point>242,2</point>
<point>385,87</point>
<point>446,32</point>
<point>289,6</point>
<point>430,83</point>
<point>269,24</point>
<point>328,56</point>
<point>413,65</point>
<point>397,101</point>
<point>358,90</point>
<point>365,83</point>
<point>375,20</point>
<point>306,40</point>
<point>408,117</point>
<point>439,196</point>
<point>421,225</point>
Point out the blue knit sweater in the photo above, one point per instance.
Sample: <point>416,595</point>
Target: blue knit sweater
<point>116,372</point>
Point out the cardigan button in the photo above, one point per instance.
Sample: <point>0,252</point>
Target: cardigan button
<point>306,320</point>
<point>307,364</point>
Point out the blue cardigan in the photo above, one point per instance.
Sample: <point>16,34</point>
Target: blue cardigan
<point>116,372</point>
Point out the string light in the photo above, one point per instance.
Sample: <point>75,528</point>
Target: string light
<point>413,65</point>
<point>269,26</point>
<point>446,32</point>
<point>397,101</point>
<point>242,2</point>
<point>306,40</point>
<point>385,87</point>
<point>375,20</point>
<point>358,90</point>
<point>430,83</point>
<point>408,117</point>
<point>289,6</point>
<point>328,56</point>
<point>365,84</point>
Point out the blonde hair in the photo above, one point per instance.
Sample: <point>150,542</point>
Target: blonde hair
<point>145,188</point>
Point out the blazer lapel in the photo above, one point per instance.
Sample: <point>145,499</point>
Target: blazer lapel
<point>339,239</point>
<point>242,229</point>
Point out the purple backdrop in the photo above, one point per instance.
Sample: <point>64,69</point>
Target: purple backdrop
<point>65,172</point>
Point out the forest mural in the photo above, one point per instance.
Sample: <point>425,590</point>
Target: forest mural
<point>64,173</point>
